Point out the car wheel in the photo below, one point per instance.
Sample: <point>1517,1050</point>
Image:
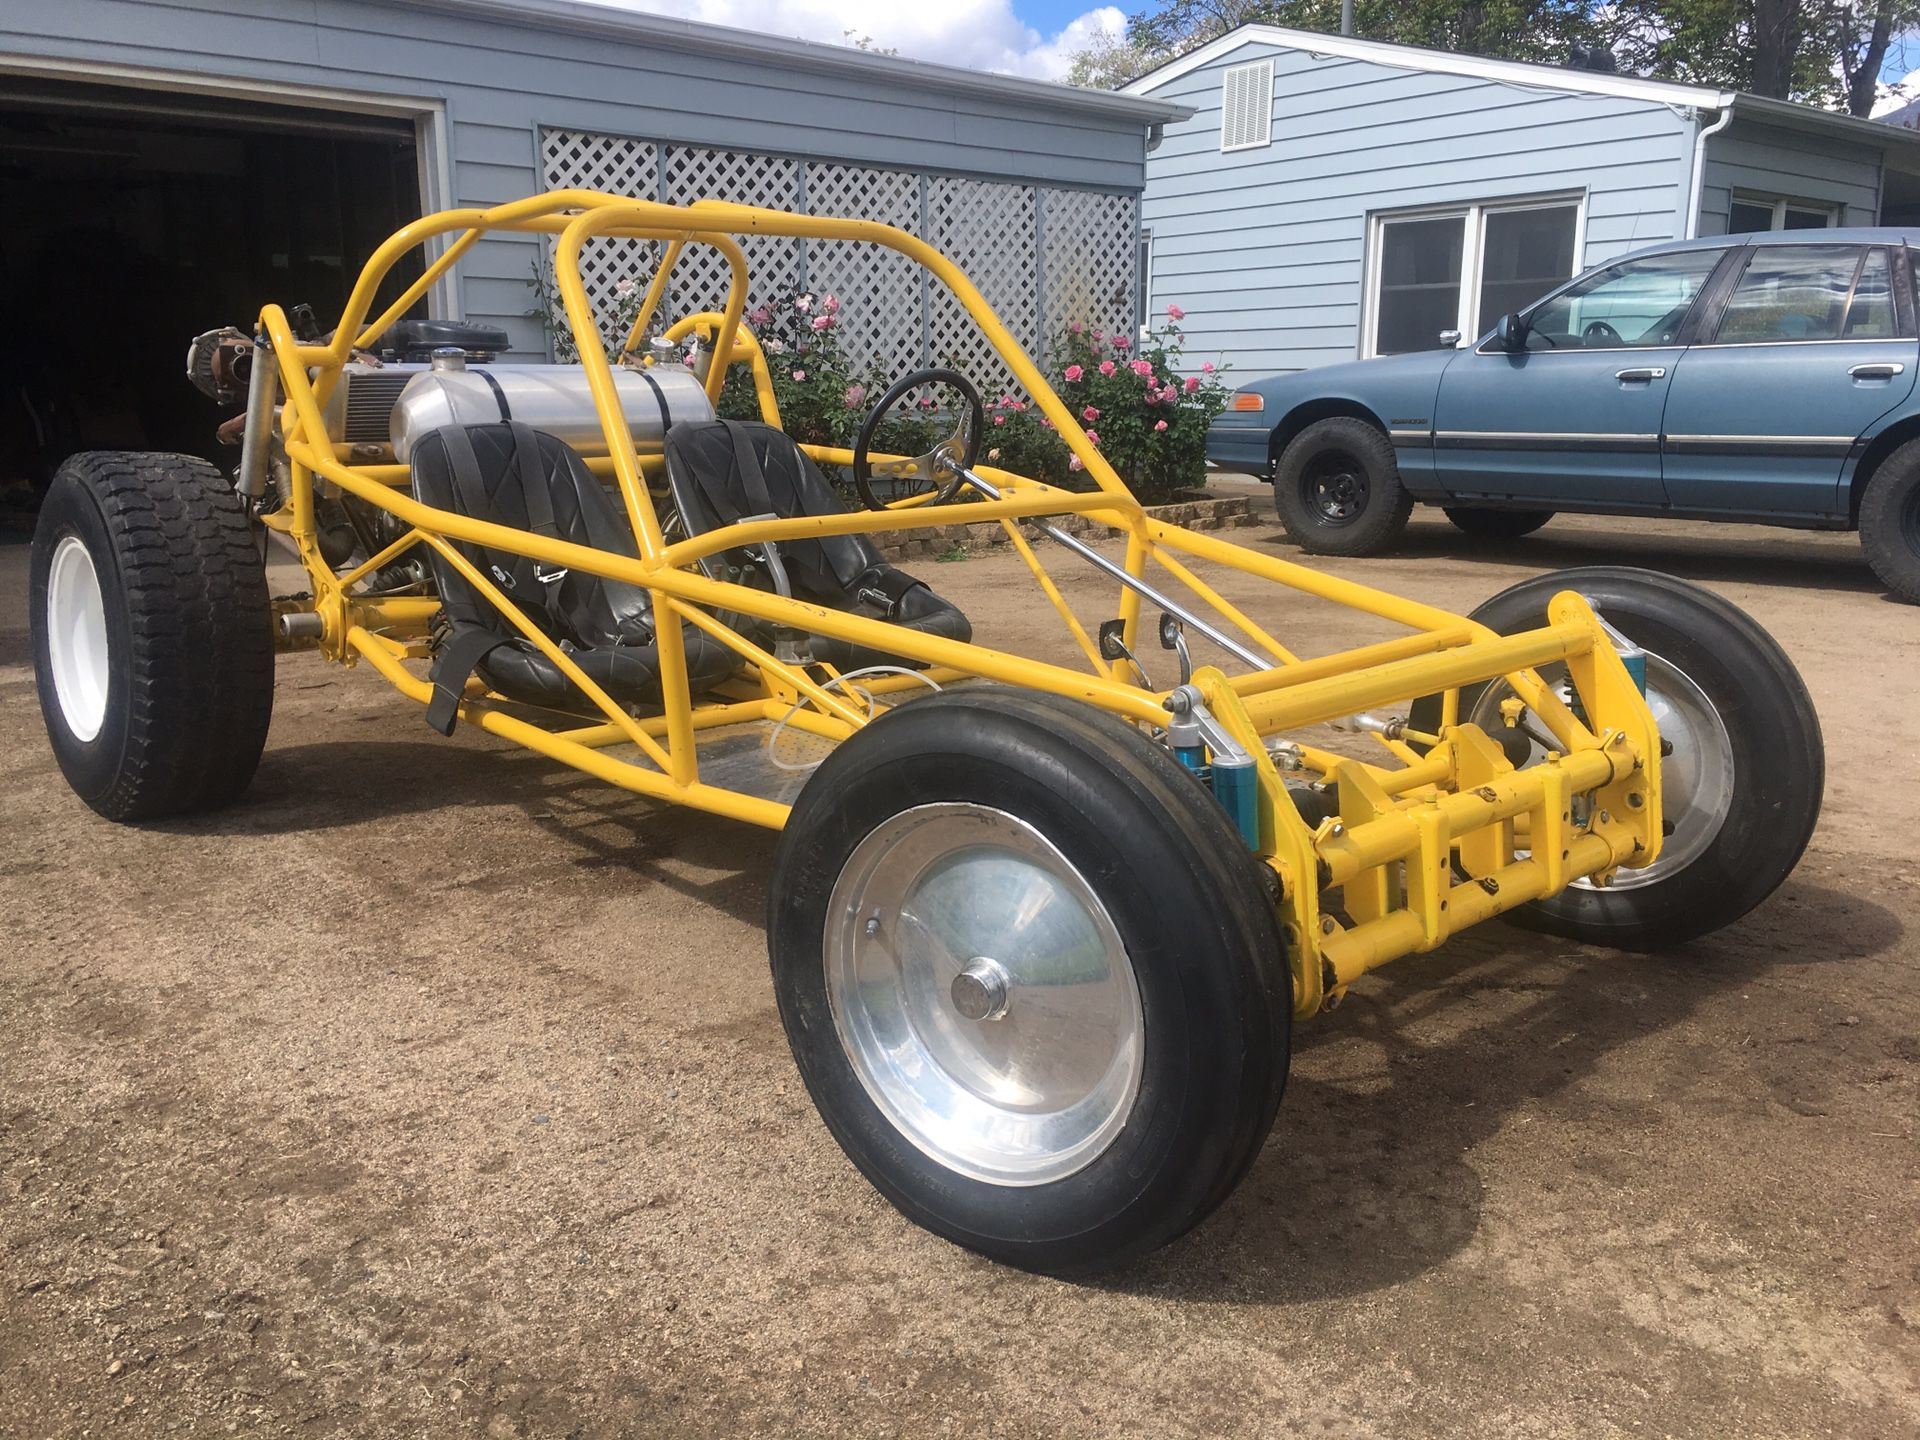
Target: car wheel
<point>1890,522</point>
<point>1337,489</point>
<point>1744,765</point>
<point>152,634</point>
<point>1488,524</point>
<point>1031,977</point>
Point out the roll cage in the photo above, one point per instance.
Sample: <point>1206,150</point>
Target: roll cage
<point>1434,834</point>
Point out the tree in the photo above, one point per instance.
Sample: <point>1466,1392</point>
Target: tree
<point>1818,52</point>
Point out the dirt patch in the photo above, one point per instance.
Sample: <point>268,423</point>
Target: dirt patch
<point>436,1091</point>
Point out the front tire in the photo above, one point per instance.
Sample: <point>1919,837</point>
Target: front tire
<point>1890,522</point>
<point>1337,489</point>
<point>1741,787</point>
<point>1488,524</point>
<point>1030,976</point>
<point>152,634</point>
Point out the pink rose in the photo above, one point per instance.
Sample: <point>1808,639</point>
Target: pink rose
<point>623,287</point>
<point>831,304</point>
<point>1046,422</point>
<point>1192,384</point>
<point>1073,373</point>
<point>1142,368</point>
<point>821,322</point>
<point>1174,312</point>
<point>1090,414</point>
<point>927,402</point>
<point>1075,328</point>
<point>1159,425</point>
<point>1172,392</point>
<point>1106,367</point>
<point>1121,342</point>
<point>855,394</point>
<point>759,315</point>
<point>999,419</point>
<point>1207,368</point>
<point>1096,334</point>
<point>1073,463</point>
<point>799,374</point>
<point>1093,437</point>
<point>803,303</point>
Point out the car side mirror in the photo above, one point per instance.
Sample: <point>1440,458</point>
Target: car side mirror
<point>1510,334</point>
<point>1449,339</point>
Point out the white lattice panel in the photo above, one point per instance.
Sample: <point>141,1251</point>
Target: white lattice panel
<point>987,229</point>
<point>618,165</point>
<point>773,262</point>
<point>1091,242</point>
<point>879,289</point>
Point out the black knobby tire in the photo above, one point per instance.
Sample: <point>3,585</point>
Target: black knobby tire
<point>1186,900</point>
<point>178,724</point>
<point>1890,522</point>
<point>1337,489</point>
<point>1773,734</point>
<point>1488,524</point>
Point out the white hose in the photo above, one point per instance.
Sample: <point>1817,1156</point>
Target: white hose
<point>866,698</point>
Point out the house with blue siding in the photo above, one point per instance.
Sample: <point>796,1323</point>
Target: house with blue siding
<point>170,165</point>
<point>1329,198</point>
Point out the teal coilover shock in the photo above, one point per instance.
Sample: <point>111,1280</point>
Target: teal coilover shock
<point>1201,744</point>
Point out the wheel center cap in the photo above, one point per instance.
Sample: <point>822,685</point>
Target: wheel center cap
<point>981,991</point>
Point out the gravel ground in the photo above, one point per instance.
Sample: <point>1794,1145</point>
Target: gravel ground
<point>435,1091</point>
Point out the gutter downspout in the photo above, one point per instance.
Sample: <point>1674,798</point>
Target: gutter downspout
<point>1700,167</point>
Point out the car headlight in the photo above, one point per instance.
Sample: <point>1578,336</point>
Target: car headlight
<point>1247,400</point>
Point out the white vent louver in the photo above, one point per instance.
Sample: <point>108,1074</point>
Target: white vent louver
<point>1246,106</point>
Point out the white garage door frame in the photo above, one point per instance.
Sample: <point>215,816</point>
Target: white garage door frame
<point>429,117</point>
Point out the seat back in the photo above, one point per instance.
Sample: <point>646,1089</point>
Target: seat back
<point>723,471</point>
<point>513,475</point>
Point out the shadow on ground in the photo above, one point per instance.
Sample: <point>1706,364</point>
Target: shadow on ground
<point>1368,1183</point>
<point>1787,561</point>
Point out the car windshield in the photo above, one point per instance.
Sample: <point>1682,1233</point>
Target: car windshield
<point>1637,302</point>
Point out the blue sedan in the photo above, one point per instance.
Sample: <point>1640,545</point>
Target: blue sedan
<point>1759,378</point>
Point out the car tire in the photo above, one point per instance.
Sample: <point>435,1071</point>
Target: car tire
<point>1337,489</point>
<point>1489,524</point>
<point>1890,522</point>
<point>152,634</point>
<point>1054,844</point>
<point>1746,746</point>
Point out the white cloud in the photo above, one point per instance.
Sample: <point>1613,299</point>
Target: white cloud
<point>977,34</point>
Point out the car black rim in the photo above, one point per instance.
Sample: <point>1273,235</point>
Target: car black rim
<point>1334,488</point>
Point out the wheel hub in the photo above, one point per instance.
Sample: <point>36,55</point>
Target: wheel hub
<point>982,995</point>
<point>77,637</point>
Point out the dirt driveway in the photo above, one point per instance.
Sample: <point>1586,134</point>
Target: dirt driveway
<point>433,1091</point>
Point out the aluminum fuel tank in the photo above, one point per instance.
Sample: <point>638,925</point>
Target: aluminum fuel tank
<point>553,398</point>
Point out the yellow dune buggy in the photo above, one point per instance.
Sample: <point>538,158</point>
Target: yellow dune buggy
<point>1038,933</point>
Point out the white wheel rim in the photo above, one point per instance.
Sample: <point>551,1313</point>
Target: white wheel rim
<point>983,996</point>
<point>77,638</point>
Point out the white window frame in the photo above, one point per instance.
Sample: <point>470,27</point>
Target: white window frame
<point>1472,254</point>
<point>1779,205</point>
<point>1257,78</point>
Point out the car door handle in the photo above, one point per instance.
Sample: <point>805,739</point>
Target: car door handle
<point>1642,373</point>
<point>1877,370</point>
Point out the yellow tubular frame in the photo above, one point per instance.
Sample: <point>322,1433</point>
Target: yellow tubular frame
<point>1422,848</point>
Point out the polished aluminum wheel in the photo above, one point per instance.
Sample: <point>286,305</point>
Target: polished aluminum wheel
<point>77,637</point>
<point>1696,775</point>
<point>982,994</point>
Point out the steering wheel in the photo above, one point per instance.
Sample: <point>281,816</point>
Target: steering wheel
<point>939,469</point>
<point>1601,331</point>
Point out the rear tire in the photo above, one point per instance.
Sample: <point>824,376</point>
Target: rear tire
<point>1337,489</point>
<point>1111,1070</point>
<point>1488,524</point>
<point>1746,738</point>
<point>152,634</point>
<point>1890,522</point>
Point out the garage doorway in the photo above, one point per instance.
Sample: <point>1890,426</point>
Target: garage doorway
<point>131,220</point>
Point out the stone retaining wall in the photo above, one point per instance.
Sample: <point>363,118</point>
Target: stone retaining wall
<point>1231,513</point>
